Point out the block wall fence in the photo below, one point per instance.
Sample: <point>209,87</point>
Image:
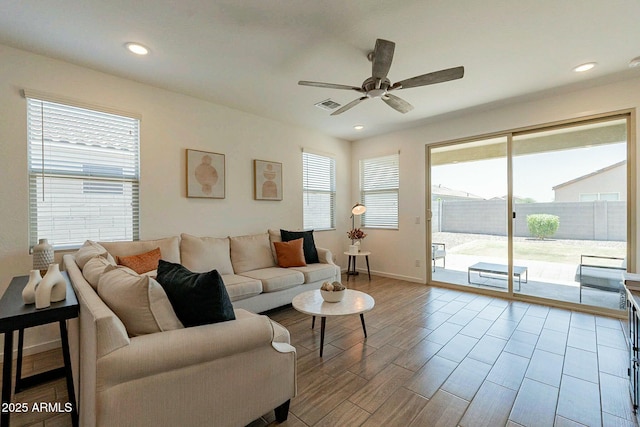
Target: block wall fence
<point>600,220</point>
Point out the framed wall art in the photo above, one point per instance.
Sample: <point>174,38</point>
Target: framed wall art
<point>267,180</point>
<point>205,174</point>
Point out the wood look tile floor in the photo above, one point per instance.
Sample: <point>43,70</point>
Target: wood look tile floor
<point>438,357</point>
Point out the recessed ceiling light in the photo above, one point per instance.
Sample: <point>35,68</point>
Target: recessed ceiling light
<point>137,48</point>
<point>584,67</point>
<point>358,127</point>
<point>635,62</point>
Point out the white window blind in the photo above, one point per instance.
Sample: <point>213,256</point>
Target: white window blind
<point>83,174</point>
<point>319,191</point>
<point>379,185</point>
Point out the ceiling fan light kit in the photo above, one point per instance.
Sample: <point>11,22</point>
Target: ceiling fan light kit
<point>379,86</point>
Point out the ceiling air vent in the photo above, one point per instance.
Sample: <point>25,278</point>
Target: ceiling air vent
<point>327,104</point>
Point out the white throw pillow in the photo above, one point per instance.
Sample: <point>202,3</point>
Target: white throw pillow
<point>94,268</point>
<point>139,301</point>
<point>251,253</point>
<point>203,254</point>
<point>91,249</point>
<point>274,236</point>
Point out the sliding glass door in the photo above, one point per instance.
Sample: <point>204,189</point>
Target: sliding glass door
<point>469,211</point>
<point>539,213</point>
<point>570,204</point>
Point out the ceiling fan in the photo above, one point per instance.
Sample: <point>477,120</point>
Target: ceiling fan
<point>379,86</point>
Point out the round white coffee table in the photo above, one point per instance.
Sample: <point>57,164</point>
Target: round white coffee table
<point>353,302</point>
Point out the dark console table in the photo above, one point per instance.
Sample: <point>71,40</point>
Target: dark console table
<point>16,316</point>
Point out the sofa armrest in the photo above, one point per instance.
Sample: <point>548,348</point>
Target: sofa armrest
<point>160,352</point>
<point>98,322</point>
<point>325,256</point>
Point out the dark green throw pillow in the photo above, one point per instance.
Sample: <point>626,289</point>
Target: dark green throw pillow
<point>197,298</point>
<point>309,245</point>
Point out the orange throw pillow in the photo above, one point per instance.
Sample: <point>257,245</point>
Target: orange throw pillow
<point>141,263</point>
<point>290,254</point>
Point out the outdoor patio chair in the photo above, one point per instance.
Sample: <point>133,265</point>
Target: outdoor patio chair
<point>438,251</point>
<point>599,272</point>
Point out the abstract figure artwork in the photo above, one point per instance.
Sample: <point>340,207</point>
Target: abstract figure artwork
<point>205,174</point>
<point>267,180</point>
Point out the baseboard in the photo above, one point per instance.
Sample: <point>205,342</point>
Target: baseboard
<point>390,275</point>
<point>34,349</point>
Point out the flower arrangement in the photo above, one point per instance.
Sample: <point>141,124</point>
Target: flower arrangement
<point>356,234</point>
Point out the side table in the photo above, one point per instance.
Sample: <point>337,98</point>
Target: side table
<point>351,270</point>
<point>16,316</point>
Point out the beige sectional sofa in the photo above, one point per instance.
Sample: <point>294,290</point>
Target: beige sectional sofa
<point>221,374</point>
<point>249,268</point>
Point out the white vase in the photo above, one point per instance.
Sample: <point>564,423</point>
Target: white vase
<point>52,288</point>
<point>29,291</point>
<point>42,255</point>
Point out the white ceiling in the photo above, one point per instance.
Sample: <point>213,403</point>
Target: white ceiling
<point>250,54</point>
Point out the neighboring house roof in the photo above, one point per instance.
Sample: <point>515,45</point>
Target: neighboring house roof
<point>439,190</point>
<point>589,175</point>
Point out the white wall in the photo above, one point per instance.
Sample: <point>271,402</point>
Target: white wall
<point>402,247</point>
<point>170,124</point>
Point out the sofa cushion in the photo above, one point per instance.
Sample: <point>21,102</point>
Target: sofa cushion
<point>169,248</point>
<point>290,254</point>
<point>94,268</point>
<point>197,298</point>
<point>91,249</point>
<point>202,254</point>
<point>141,263</point>
<point>250,253</point>
<point>139,301</point>
<point>241,287</point>
<point>317,272</point>
<point>275,278</point>
<point>310,252</point>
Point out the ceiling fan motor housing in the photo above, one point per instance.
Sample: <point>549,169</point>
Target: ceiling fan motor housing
<point>369,86</point>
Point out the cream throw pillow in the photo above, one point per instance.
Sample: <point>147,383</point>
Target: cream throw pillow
<point>169,247</point>
<point>251,253</point>
<point>93,269</point>
<point>203,254</point>
<point>139,301</point>
<point>90,250</point>
<point>274,237</point>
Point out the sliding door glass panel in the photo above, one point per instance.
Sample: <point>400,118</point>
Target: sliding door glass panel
<point>570,204</point>
<point>469,214</point>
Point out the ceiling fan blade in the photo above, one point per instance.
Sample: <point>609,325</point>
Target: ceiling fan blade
<point>396,103</point>
<point>382,57</point>
<point>348,106</point>
<point>329,85</point>
<point>430,78</point>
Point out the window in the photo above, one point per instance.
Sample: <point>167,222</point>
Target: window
<point>379,185</point>
<point>83,174</point>
<point>592,197</point>
<point>318,191</point>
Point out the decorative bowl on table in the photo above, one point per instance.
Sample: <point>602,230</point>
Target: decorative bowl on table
<point>332,292</point>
